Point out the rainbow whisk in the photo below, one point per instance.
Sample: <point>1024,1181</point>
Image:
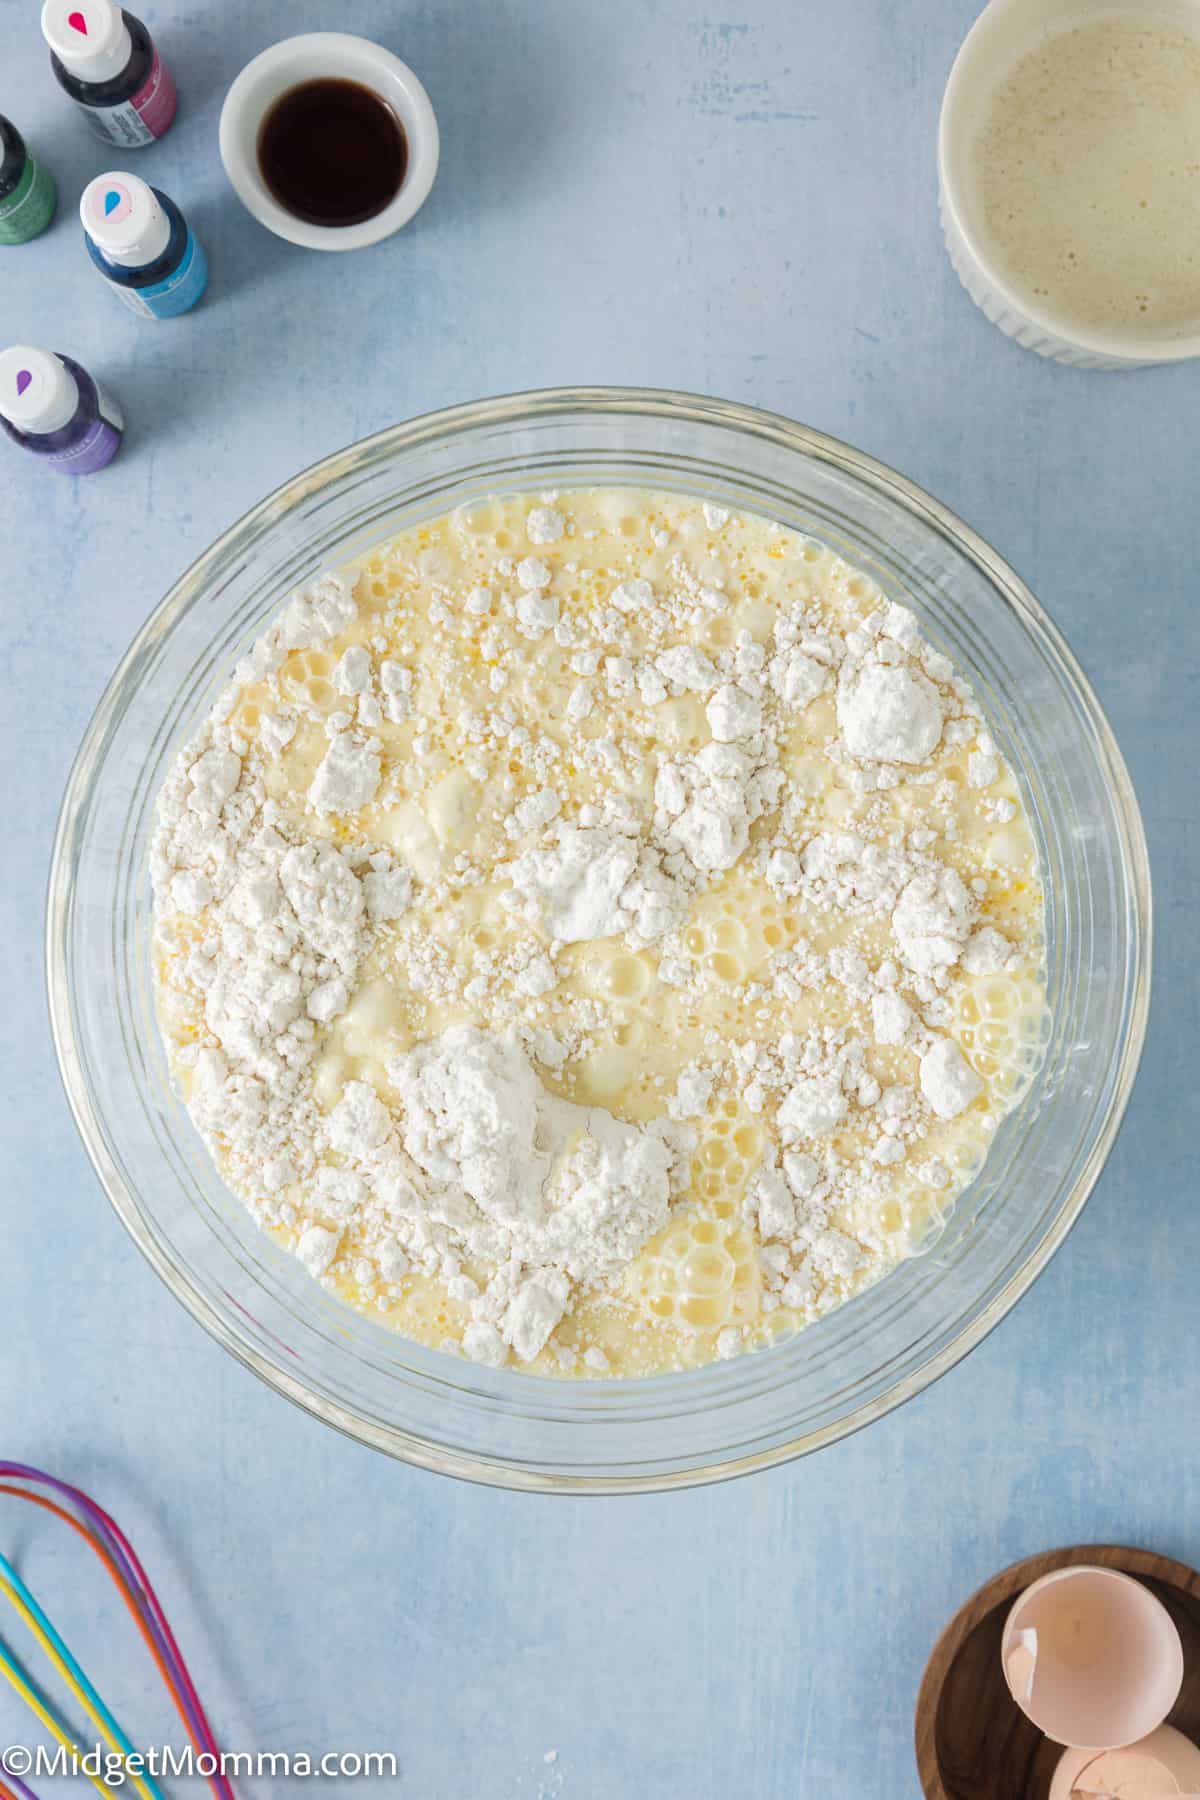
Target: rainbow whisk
<point>108,1541</point>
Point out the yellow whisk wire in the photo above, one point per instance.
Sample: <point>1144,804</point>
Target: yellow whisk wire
<point>51,1641</point>
<point>14,1674</point>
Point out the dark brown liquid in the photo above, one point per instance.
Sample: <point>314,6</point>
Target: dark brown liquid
<point>332,152</point>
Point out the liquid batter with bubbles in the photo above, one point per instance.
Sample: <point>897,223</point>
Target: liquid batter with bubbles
<point>1084,170</point>
<point>597,933</point>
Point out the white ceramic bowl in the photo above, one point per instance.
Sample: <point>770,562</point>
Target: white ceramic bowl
<point>1004,32</point>
<point>313,56</point>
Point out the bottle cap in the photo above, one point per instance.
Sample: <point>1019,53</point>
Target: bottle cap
<point>89,37</point>
<point>37,390</point>
<point>124,219</point>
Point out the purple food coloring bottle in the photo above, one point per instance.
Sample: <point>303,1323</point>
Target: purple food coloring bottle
<point>51,407</point>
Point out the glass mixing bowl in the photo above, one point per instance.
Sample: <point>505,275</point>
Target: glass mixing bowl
<point>502,1426</point>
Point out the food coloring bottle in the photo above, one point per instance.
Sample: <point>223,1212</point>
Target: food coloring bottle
<point>27,191</point>
<point>106,61</point>
<point>53,408</point>
<point>142,245</point>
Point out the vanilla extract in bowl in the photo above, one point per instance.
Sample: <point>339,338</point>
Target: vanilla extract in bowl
<point>332,152</point>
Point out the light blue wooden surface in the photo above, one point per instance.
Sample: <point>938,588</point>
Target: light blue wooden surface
<point>739,201</point>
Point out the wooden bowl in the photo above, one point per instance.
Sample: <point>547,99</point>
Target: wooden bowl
<point>973,1742</point>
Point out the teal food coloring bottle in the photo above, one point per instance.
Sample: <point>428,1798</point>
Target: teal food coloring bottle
<point>142,245</point>
<point>27,192</point>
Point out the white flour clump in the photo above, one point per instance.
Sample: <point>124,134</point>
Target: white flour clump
<point>286,927</point>
<point>813,1108</point>
<point>704,805</point>
<point>889,714</point>
<point>931,921</point>
<point>577,884</point>
<point>544,525</point>
<point>471,1123</point>
<point>594,881</point>
<point>947,1080</point>
<point>609,1192</point>
<point>348,776</point>
<point>554,1192</point>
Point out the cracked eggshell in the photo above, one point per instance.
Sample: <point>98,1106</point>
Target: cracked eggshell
<point>1163,1766</point>
<point>1092,1658</point>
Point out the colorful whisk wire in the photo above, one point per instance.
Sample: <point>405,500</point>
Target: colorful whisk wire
<point>105,1537</point>
<point>13,1788</point>
<point>73,1677</point>
<point>37,1702</point>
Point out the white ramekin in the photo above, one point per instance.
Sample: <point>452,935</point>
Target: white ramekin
<point>309,57</point>
<point>1002,33</point>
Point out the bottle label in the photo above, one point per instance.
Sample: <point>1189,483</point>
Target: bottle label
<point>142,119</point>
<point>108,409</point>
<point>29,208</point>
<point>97,446</point>
<point>156,100</point>
<point>118,124</point>
<point>177,292</point>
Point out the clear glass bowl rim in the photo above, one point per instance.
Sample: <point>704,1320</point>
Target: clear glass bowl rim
<point>517,409</point>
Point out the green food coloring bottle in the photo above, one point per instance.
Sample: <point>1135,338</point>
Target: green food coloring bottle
<point>27,192</point>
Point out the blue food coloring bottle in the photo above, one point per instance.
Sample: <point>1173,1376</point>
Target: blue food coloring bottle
<point>142,245</point>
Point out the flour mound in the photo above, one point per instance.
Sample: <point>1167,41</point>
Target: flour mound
<point>610,1191</point>
<point>932,919</point>
<point>527,1179</point>
<point>593,882</point>
<point>471,1117</point>
<point>889,714</point>
<point>577,884</point>
<point>555,1183</point>
<point>947,1080</point>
